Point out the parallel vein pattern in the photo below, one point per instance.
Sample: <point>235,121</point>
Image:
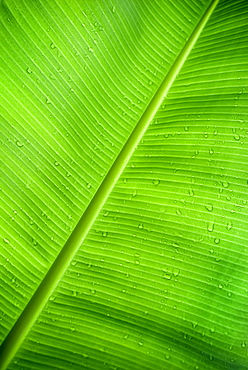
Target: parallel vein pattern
<point>160,281</point>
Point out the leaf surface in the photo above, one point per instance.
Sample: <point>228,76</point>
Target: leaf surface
<point>161,279</point>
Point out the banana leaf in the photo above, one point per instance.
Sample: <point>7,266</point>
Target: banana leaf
<point>124,185</point>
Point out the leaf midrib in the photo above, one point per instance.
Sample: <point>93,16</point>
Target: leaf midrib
<point>30,313</point>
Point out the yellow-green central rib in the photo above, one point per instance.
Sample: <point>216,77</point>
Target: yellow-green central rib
<point>29,315</point>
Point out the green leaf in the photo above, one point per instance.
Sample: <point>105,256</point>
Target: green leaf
<point>124,237</point>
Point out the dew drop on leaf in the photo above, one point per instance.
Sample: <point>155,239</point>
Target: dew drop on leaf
<point>18,143</point>
<point>176,272</point>
<point>225,184</point>
<point>191,192</point>
<point>229,225</point>
<point>6,240</point>
<point>155,182</point>
<point>209,207</point>
<point>104,233</point>
<point>210,226</point>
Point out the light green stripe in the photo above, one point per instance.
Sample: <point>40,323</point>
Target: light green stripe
<point>29,315</point>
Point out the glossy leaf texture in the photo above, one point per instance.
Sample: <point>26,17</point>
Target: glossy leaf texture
<point>160,281</point>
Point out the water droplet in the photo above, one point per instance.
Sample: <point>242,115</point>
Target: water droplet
<point>104,234</point>
<point>186,128</point>
<point>126,336</point>
<point>141,343</point>
<point>6,240</point>
<point>88,186</point>
<point>176,272</point>
<point>243,344</point>
<point>191,192</point>
<point>210,226</point>
<point>229,294</point>
<point>194,324</point>
<point>236,137</point>
<point>209,207</point>
<point>73,263</point>
<point>216,240</point>
<point>221,286</point>
<point>106,214</point>
<point>28,70</point>
<point>150,83</point>
<point>56,163</point>
<point>229,225</point>
<point>225,184</point>
<point>93,291</point>
<point>113,9</point>
<point>166,275</point>
<point>134,193</point>
<point>155,182</point>
<point>167,357</point>
<point>85,355</point>
<point>212,330</point>
<point>137,262</point>
<point>211,251</point>
<point>141,226</point>
<point>91,50</point>
<point>18,143</point>
<point>52,46</point>
<point>211,151</point>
